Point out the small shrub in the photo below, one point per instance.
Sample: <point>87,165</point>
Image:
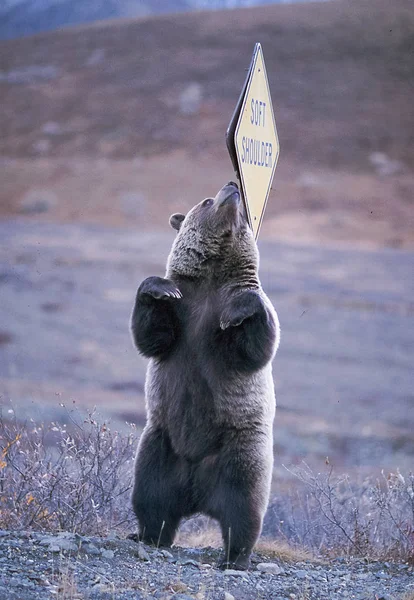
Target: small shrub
<point>52,479</point>
<point>79,478</point>
<point>331,514</point>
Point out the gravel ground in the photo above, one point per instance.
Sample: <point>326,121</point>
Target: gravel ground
<point>69,566</point>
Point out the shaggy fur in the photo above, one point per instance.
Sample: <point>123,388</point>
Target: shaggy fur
<point>210,333</point>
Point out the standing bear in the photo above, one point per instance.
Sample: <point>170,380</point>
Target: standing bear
<point>210,333</point>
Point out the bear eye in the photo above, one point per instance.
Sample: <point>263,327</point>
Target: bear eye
<point>208,202</point>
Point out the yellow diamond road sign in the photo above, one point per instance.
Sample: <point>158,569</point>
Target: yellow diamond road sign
<point>255,146</point>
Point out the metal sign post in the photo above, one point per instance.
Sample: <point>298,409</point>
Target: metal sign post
<point>252,140</point>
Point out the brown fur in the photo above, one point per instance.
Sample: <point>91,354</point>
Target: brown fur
<point>210,333</point>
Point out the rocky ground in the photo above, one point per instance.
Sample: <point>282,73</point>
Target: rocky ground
<point>69,566</point>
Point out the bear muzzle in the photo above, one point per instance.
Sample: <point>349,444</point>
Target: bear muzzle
<point>229,194</point>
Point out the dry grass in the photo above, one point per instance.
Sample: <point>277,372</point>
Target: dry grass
<point>200,538</point>
<point>280,550</point>
<point>65,586</point>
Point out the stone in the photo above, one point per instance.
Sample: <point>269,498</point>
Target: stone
<point>383,575</point>
<point>108,554</point>
<point>142,553</point>
<point>59,543</point>
<point>235,573</point>
<point>228,596</point>
<point>272,568</point>
<point>301,574</point>
<point>191,562</point>
<point>190,99</point>
<point>91,549</point>
<point>384,165</point>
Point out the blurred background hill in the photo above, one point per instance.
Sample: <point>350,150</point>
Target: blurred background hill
<point>101,122</point>
<point>25,17</point>
<point>107,128</point>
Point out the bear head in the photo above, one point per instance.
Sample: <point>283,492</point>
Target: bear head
<point>214,241</point>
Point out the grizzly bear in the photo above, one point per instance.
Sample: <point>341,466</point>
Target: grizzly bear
<point>210,333</point>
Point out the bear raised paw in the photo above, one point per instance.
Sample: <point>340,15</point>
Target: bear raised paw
<point>210,333</point>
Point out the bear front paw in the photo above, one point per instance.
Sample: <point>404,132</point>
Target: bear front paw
<point>159,288</point>
<point>239,309</point>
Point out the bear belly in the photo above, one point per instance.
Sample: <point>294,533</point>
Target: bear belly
<point>184,407</point>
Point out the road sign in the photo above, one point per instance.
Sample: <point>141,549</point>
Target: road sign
<point>252,140</point>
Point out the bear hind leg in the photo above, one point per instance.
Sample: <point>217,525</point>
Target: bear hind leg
<point>160,495</point>
<point>240,525</point>
<point>239,492</point>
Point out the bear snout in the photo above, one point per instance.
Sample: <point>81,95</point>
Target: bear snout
<point>233,184</point>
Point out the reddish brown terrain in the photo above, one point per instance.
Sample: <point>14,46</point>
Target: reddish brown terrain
<point>95,123</point>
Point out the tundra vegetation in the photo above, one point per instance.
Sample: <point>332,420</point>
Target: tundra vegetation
<point>78,477</point>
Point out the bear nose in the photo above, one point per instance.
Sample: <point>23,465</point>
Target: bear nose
<point>233,183</point>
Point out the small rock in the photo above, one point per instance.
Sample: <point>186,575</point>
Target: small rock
<point>108,554</point>
<point>300,574</point>
<point>190,99</point>
<point>62,542</point>
<point>166,554</point>
<point>228,596</point>
<point>191,562</point>
<point>235,573</point>
<point>272,568</point>
<point>383,575</point>
<point>142,553</point>
<point>384,165</point>
<point>91,549</point>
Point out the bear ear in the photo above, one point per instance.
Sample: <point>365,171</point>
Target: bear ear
<point>176,220</point>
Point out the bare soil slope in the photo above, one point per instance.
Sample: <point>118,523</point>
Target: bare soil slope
<point>95,127</point>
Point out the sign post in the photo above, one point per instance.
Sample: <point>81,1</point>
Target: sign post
<point>252,141</point>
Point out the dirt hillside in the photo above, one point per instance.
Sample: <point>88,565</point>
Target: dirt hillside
<point>124,121</point>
